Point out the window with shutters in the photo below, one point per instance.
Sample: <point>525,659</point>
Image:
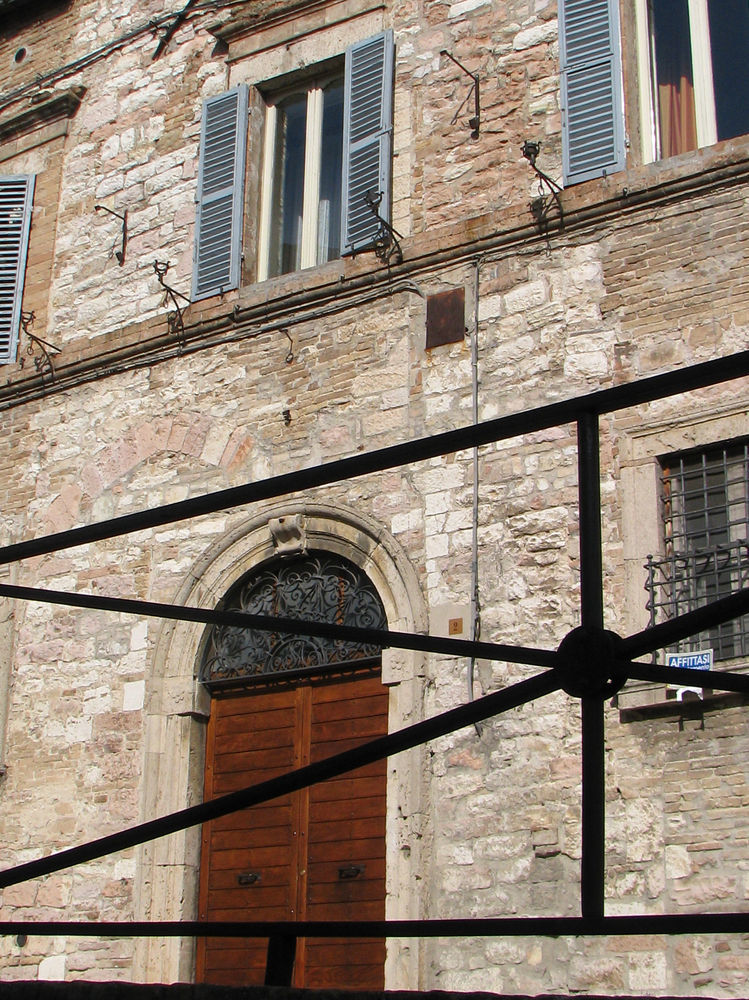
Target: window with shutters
<point>326,149</point>
<point>591,89</point>
<point>695,73</point>
<point>16,194</point>
<point>327,146</point>
<point>218,224</point>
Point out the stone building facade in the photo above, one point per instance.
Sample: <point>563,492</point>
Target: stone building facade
<point>119,396</point>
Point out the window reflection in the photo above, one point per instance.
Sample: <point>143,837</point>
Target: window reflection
<point>331,163</point>
<point>288,185</point>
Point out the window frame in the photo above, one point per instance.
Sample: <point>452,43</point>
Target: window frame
<point>314,88</point>
<point>704,525</point>
<point>366,165</point>
<point>702,73</point>
<point>642,449</point>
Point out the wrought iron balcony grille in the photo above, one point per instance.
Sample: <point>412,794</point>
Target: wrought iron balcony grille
<point>705,523</point>
<point>680,583</point>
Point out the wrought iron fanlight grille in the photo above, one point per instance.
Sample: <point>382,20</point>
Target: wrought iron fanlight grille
<point>319,587</point>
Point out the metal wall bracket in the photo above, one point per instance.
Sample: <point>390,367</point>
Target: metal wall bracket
<point>386,245</point>
<point>541,206</point>
<point>176,321</point>
<point>475,122</point>
<point>119,254</point>
<point>43,364</point>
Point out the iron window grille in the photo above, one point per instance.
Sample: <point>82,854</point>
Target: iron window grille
<point>705,522</point>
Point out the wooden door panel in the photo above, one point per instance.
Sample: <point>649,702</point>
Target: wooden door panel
<point>332,747</point>
<point>264,836</point>
<point>239,860</point>
<point>220,879</point>
<point>342,950</point>
<point>334,850</point>
<point>320,874</point>
<point>316,833</point>
<point>349,910</point>
<point>271,911</point>
<point>228,955</point>
<point>348,894</point>
<point>247,730</point>
<point>264,700</point>
<point>335,689</point>
<point>276,812</point>
<point>367,784</point>
<point>330,706</point>
<point>347,806</point>
<point>346,832</point>
<point>261,765</point>
<point>251,738</point>
<point>333,962</point>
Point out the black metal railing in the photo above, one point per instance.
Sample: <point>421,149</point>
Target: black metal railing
<point>591,663</point>
<point>684,581</point>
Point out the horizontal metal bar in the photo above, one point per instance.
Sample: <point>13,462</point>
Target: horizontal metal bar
<point>294,626</point>
<point>682,923</point>
<point>526,422</point>
<point>378,749</point>
<point>667,633</point>
<point>216,685</point>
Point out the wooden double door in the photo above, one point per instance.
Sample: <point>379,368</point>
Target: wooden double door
<point>317,854</point>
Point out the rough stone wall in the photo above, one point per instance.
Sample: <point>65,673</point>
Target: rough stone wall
<point>636,284</point>
<point>512,47</point>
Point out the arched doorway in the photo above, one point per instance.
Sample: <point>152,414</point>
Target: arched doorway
<point>279,702</point>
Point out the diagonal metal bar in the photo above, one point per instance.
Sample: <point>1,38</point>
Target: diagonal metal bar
<point>686,625</point>
<point>593,859</point>
<point>294,626</point>
<point>714,680</point>
<point>374,750</point>
<point>568,411</point>
<point>645,924</point>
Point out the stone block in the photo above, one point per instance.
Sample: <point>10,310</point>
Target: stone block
<point>52,968</point>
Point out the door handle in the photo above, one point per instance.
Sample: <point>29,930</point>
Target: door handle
<point>248,878</point>
<point>350,871</point>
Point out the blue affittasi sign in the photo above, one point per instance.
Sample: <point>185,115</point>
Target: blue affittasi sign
<point>700,659</point>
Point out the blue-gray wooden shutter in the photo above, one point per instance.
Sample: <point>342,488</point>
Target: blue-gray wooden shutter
<point>592,109</point>
<point>367,139</point>
<point>220,194</point>
<point>16,197</point>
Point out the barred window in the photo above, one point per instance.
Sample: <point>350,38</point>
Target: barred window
<point>705,517</point>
